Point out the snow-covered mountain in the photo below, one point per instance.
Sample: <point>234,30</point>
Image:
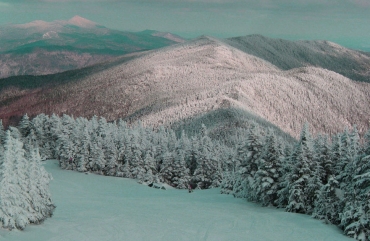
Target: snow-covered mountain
<point>188,80</point>
<point>40,47</point>
<point>287,55</point>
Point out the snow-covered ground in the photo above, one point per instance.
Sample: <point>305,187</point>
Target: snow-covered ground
<point>92,207</point>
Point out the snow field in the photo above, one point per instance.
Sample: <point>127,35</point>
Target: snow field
<point>92,207</point>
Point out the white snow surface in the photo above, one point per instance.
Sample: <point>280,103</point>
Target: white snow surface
<point>93,207</point>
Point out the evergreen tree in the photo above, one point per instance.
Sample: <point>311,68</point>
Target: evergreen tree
<point>24,126</point>
<point>180,174</point>
<point>2,132</point>
<point>355,218</point>
<point>323,158</point>
<point>12,202</point>
<point>287,166</point>
<point>150,169</point>
<point>111,157</point>
<point>248,155</point>
<point>83,154</point>
<point>229,175</point>
<point>166,169</point>
<point>24,194</point>
<point>38,185</point>
<point>328,204</point>
<point>268,176</point>
<point>302,172</point>
<point>208,172</point>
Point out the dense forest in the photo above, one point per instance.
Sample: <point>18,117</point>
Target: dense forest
<point>326,177</point>
<point>24,184</point>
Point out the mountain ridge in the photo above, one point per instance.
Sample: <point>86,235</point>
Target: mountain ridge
<point>287,54</point>
<point>40,47</point>
<point>185,81</point>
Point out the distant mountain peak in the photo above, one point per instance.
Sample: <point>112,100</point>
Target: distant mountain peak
<point>34,24</point>
<point>81,22</point>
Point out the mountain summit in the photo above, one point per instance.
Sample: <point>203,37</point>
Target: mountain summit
<point>81,22</point>
<point>39,47</point>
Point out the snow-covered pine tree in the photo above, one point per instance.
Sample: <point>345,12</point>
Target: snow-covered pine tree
<point>13,202</point>
<point>287,166</point>
<point>248,155</point>
<point>84,149</point>
<point>299,178</point>
<point>328,204</point>
<point>322,156</point>
<point>24,126</point>
<point>111,157</point>
<point>341,151</point>
<point>351,156</point>
<point>366,148</point>
<point>137,163</point>
<point>65,149</point>
<point>180,174</point>
<point>97,160</point>
<point>21,201</point>
<point>229,174</point>
<point>208,172</point>
<point>355,218</point>
<point>268,176</point>
<point>193,155</point>
<point>38,186</point>
<point>165,173</point>
<point>55,130</point>
<point>2,132</point>
<point>150,169</point>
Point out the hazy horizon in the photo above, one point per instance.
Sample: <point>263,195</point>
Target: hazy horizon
<point>346,22</point>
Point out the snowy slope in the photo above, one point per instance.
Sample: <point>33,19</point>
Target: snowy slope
<point>294,54</point>
<point>92,207</point>
<point>187,80</point>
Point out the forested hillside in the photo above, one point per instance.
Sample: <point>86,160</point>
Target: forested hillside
<point>325,178</point>
<point>288,55</point>
<point>193,79</point>
<point>40,48</point>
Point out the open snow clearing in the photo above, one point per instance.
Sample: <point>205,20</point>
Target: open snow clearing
<point>93,207</point>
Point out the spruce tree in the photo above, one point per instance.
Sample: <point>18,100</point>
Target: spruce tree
<point>328,204</point>
<point>12,202</point>
<point>268,175</point>
<point>24,126</point>
<point>302,172</point>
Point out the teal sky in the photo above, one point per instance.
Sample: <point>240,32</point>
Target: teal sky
<point>346,22</point>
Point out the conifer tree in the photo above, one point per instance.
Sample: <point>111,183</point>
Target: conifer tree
<point>229,174</point>
<point>12,202</point>
<point>83,154</point>
<point>24,193</point>
<point>287,166</point>
<point>301,174</point>
<point>208,172</point>
<point>97,161</point>
<point>328,204</point>
<point>180,177</point>
<point>268,175</point>
<point>24,126</point>
<point>248,155</point>
<point>150,169</point>
<point>39,191</point>
<point>166,168</point>
<point>2,132</point>
<point>323,159</point>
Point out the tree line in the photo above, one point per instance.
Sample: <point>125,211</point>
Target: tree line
<point>24,184</point>
<point>328,178</point>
